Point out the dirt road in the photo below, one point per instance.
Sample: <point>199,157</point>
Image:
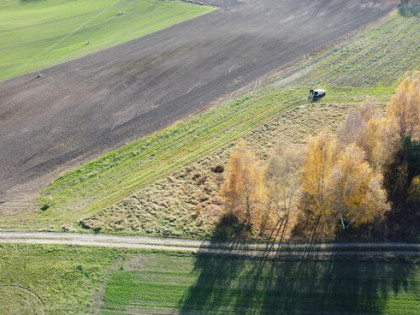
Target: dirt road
<point>88,106</point>
<point>240,249</point>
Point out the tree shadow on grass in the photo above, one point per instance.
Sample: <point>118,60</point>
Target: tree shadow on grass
<point>305,284</point>
<point>338,285</point>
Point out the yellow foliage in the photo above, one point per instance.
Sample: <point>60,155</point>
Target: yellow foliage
<point>243,190</point>
<point>355,127</point>
<point>354,189</point>
<point>341,176</point>
<point>283,187</point>
<point>404,108</point>
<point>374,134</point>
<point>319,160</point>
<point>381,142</point>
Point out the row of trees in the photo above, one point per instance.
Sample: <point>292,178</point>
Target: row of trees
<point>350,177</point>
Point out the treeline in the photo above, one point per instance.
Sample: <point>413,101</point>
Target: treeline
<point>344,179</point>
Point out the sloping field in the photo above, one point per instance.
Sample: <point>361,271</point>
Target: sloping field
<point>81,108</point>
<point>36,34</point>
<point>81,193</point>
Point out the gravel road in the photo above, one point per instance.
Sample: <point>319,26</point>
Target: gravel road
<point>222,248</point>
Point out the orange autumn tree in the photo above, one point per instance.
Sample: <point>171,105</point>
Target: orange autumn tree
<point>243,190</point>
<point>373,133</point>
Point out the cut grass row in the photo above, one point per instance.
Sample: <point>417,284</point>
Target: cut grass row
<point>81,280</point>
<point>37,34</point>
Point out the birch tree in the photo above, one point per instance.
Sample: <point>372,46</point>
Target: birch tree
<point>355,190</point>
<point>318,162</point>
<point>283,180</point>
<point>243,190</point>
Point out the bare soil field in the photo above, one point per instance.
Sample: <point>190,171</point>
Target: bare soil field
<point>85,107</point>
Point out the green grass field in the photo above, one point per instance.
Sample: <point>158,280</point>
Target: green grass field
<point>36,34</point>
<point>81,280</point>
<point>216,285</point>
<point>352,71</point>
<point>54,279</point>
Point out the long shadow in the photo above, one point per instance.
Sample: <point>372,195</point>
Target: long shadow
<point>305,284</point>
<point>210,293</point>
<point>338,285</point>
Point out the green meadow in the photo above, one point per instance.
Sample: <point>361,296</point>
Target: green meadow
<point>52,279</point>
<point>83,280</point>
<point>35,34</point>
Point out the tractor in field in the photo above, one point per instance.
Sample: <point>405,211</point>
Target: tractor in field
<point>316,94</point>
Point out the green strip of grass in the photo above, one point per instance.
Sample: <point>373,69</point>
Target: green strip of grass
<point>37,34</point>
<point>220,285</point>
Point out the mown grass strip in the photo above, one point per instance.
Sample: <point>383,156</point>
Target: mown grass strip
<point>68,280</point>
<point>64,278</point>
